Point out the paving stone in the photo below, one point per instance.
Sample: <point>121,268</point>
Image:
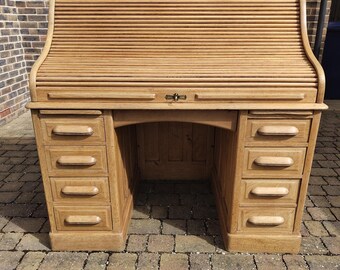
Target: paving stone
<point>179,212</point>
<point>193,243</point>
<point>29,186</point>
<point>36,241</point>
<point>25,197</point>
<point>306,216</point>
<point>8,197</point>
<point>333,227</point>
<point>269,262</point>
<point>213,227</point>
<point>31,261</point>
<point>159,212</point>
<point>161,243</point>
<point>174,261</point>
<point>97,261</point>
<point>40,211</point>
<point>164,187</point>
<point>10,259</point>
<point>321,213</point>
<point>295,262</point>
<point>317,180</point>
<point>323,172</point>
<point>174,226</point>
<point>234,262</point>
<point>17,210</point>
<point>334,200</point>
<point>3,222</point>
<point>30,177</point>
<point>10,240</point>
<point>334,181</point>
<point>316,228</point>
<point>199,262</point>
<point>312,245</point>
<point>122,261</point>
<point>11,186</point>
<point>46,227</point>
<point>204,212</point>
<point>320,201</point>
<point>332,191</point>
<point>148,261</point>
<point>163,199</point>
<point>332,244</point>
<point>24,225</point>
<point>145,226</point>
<point>316,190</point>
<point>323,262</point>
<point>336,212</point>
<point>141,211</point>
<point>187,199</point>
<point>196,227</point>
<point>63,261</point>
<point>205,199</point>
<point>39,198</point>
<point>137,243</point>
<point>304,231</point>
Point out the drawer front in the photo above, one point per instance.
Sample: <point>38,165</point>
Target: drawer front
<point>83,218</point>
<point>76,160</point>
<point>73,130</point>
<point>80,190</point>
<point>273,162</point>
<point>269,192</point>
<point>278,131</point>
<point>264,220</point>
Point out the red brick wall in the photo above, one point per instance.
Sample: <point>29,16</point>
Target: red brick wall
<point>23,28</point>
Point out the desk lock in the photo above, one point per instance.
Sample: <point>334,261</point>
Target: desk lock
<point>176,97</point>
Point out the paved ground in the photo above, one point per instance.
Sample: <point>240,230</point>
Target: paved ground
<point>182,235</point>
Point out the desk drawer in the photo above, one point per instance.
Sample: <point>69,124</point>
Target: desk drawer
<point>80,130</point>
<point>81,191</point>
<point>264,220</point>
<point>269,192</point>
<point>83,218</point>
<point>76,160</point>
<point>277,131</point>
<point>273,162</point>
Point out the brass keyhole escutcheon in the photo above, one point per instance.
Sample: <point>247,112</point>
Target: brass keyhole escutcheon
<point>175,97</point>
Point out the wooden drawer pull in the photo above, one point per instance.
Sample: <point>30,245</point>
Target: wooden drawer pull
<point>278,131</point>
<point>83,220</point>
<point>270,191</point>
<point>76,160</point>
<point>72,130</point>
<point>80,190</point>
<point>266,220</point>
<point>274,161</point>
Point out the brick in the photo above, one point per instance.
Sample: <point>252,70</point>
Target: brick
<point>122,261</point>
<point>213,227</point>
<point>161,243</point>
<point>334,200</point>
<point>148,261</point>
<point>267,262</point>
<point>145,226</point>
<point>323,172</point>
<point>316,190</point>
<point>322,262</point>
<point>336,212</point>
<point>174,226</point>
<point>97,261</point>
<point>331,190</point>
<point>63,260</point>
<point>179,212</point>
<point>163,199</point>
<point>8,197</point>
<point>192,243</point>
<point>295,262</point>
<point>18,224</point>
<point>321,213</point>
<point>312,245</point>
<point>196,227</point>
<point>199,262</point>
<point>316,228</point>
<point>204,212</point>
<point>141,211</point>
<point>10,240</point>
<point>36,241</point>
<point>137,243</point>
<point>17,210</point>
<point>3,222</point>
<point>320,201</point>
<point>11,186</point>
<point>31,261</point>
<point>228,261</point>
<point>332,244</point>
<point>31,177</point>
<point>10,259</point>
<point>174,261</point>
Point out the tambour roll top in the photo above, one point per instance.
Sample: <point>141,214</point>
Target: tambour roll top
<point>206,51</point>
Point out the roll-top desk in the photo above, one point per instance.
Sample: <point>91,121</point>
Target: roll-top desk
<point>117,79</point>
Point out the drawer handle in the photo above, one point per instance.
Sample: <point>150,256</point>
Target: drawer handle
<point>266,220</point>
<point>72,130</point>
<point>83,220</point>
<point>175,97</point>
<point>77,160</point>
<point>80,190</point>
<point>278,131</point>
<point>270,191</point>
<point>274,161</point>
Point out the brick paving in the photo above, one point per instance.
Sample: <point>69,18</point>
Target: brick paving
<point>174,224</point>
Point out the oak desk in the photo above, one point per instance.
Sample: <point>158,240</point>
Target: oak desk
<point>224,90</point>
